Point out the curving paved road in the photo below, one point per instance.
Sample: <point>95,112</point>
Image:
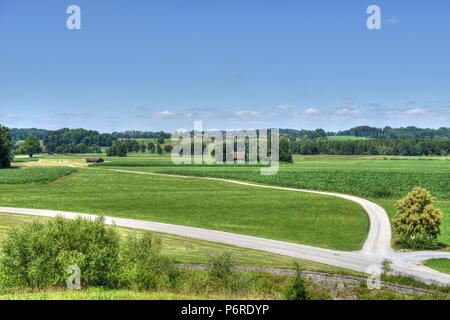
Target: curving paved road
<point>376,248</point>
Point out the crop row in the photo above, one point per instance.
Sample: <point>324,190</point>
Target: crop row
<point>376,184</point>
<point>33,174</point>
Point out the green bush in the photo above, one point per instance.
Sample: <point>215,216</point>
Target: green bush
<point>143,266</point>
<point>220,268</point>
<point>417,222</point>
<point>39,254</point>
<point>296,289</point>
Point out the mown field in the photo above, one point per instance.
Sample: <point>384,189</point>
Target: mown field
<point>297,217</point>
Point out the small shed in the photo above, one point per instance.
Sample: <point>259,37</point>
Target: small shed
<point>95,160</point>
<point>238,157</point>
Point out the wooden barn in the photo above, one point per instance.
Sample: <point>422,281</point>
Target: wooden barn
<point>95,160</point>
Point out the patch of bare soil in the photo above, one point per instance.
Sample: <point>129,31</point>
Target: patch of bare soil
<point>79,163</point>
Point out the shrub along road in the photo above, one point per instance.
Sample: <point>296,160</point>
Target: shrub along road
<point>376,248</point>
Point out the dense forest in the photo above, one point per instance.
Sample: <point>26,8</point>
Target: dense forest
<point>76,141</point>
<point>22,134</point>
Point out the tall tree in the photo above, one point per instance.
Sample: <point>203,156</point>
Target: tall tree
<point>118,149</point>
<point>151,147</point>
<point>31,146</point>
<point>5,147</point>
<point>285,151</point>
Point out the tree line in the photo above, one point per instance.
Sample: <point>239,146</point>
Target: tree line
<point>79,140</point>
<point>409,141</point>
<point>395,147</point>
<point>410,132</point>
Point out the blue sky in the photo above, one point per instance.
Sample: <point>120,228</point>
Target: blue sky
<point>161,64</point>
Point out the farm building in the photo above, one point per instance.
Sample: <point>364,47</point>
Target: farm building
<point>238,157</point>
<point>95,160</point>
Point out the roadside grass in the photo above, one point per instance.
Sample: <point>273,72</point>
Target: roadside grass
<point>33,174</point>
<point>318,292</point>
<point>123,294</point>
<point>248,286</point>
<point>315,220</point>
<point>442,265</point>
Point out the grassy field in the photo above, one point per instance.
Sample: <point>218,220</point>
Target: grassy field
<point>302,218</point>
<point>33,174</point>
<point>442,265</point>
<point>383,180</point>
<point>24,159</point>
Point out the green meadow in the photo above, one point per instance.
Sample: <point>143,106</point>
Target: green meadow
<point>381,179</point>
<point>291,216</point>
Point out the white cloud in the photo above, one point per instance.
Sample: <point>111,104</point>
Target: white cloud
<point>8,116</point>
<point>415,111</point>
<point>445,109</point>
<point>349,110</point>
<point>311,111</point>
<point>165,114</point>
<point>201,113</point>
<point>282,107</point>
<point>180,131</point>
<point>246,113</point>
